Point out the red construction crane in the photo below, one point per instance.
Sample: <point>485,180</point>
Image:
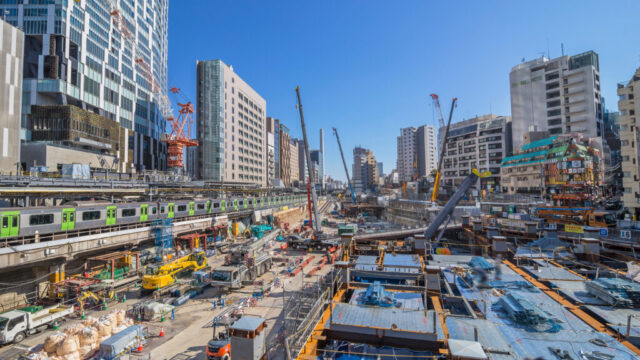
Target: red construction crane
<point>180,136</point>
<point>436,103</point>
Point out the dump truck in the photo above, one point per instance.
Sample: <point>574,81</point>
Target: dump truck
<point>15,325</point>
<point>158,277</point>
<point>576,215</point>
<point>244,263</point>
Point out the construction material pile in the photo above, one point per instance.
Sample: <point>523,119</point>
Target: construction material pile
<point>526,313</point>
<point>81,341</point>
<point>615,291</point>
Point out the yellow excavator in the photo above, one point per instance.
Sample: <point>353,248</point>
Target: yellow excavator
<point>158,277</point>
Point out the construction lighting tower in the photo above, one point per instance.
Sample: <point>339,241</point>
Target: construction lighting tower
<point>314,224</point>
<point>177,140</point>
<point>346,170</point>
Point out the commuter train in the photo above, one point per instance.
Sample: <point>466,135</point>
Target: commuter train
<point>20,222</point>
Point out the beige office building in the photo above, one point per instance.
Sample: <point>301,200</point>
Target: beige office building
<point>629,139</point>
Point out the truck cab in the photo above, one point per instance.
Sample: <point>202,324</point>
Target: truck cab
<point>602,219</point>
<point>13,326</point>
<point>230,276</point>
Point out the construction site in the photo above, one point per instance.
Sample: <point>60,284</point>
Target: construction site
<point>107,257</point>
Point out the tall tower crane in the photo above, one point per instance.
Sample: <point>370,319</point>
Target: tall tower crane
<point>436,183</point>
<point>346,170</point>
<point>180,136</point>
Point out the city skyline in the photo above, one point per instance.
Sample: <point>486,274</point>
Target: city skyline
<point>406,71</point>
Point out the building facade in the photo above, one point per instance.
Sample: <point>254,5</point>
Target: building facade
<point>630,143</point>
<point>560,167</point>
<point>11,53</point>
<point>284,153</point>
<point>477,143</point>
<point>365,170</point>
<point>293,161</point>
<point>231,126</point>
<point>74,55</point>
<point>417,152</point>
<point>561,96</point>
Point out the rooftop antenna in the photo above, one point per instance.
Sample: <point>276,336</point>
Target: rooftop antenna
<point>562,48</point>
<point>548,51</point>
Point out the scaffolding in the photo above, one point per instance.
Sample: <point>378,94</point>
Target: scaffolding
<point>163,231</point>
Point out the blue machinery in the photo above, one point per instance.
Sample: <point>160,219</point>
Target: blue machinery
<point>375,295</point>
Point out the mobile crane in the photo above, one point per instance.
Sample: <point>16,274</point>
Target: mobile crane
<point>436,183</point>
<point>346,170</point>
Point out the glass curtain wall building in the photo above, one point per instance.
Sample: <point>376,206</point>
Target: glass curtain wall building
<point>75,55</point>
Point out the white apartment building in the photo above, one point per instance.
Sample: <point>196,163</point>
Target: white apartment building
<point>417,152</point>
<point>560,96</point>
<point>477,143</point>
<point>11,52</point>
<point>231,126</point>
<point>630,142</point>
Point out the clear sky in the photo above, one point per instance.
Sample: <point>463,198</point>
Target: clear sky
<point>368,67</point>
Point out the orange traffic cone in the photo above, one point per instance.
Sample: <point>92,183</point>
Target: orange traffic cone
<point>161,332</point>
<point>140,346</point>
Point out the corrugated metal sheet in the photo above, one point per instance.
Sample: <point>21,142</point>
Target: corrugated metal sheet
<point>367,263</point>
<point>466,349</point>
<point>488,335</point>
<point>247,323</point>
<point>617,317</point>
<point>551,272</point>
<point>384,318</point>
<point>574,335</point>
<point>405,263</point>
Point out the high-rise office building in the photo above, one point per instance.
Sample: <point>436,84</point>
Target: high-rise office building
<point>11,52</point>
<point>630,142</point>
<point>293,160</point>
<point>365,170</point>
<point>417,152</point>
<point>74,55</point>
<point>231,126</point>
<point>321,162</point>
<point>561,96</point>
<point>284,165</point>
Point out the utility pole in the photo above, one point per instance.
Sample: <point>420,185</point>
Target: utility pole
<point>315,224</point>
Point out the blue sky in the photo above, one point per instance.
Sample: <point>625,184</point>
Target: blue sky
<point>368,67</point>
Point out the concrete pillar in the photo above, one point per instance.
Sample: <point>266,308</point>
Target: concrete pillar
<point>591,248</point>
<point>477,225</point>
<point>492,231</point>
<point>433,280</point>
<point>531,226</point>
<point>499,245</point>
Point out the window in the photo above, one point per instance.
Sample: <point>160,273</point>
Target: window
<point>128,212</point>
<point>216,205</point>
<point>200,206</point>
<point>91,215</point>
<point>182,207</point>
<point>161,209</point>
<point>154,210</point>
<point>40,219</point>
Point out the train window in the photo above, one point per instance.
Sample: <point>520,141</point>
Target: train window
<point>5,222</point>
<point>241,202</point>
<point>154,210</point>
<point>216,205</point>
<point>200,206</point>
<point>182,207</point>
<point>41,219</point>
<point>161,209</point>
<point>128,212</point>
<point>91,215</point>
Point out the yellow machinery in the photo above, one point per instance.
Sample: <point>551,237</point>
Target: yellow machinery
<point>158,277</point>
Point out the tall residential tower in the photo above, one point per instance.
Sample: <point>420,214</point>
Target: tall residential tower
<point>417,152</point>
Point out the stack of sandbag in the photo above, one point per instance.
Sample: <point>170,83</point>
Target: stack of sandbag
<point>81,341</point>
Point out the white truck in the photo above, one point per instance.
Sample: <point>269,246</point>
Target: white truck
<point>15,325</point>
